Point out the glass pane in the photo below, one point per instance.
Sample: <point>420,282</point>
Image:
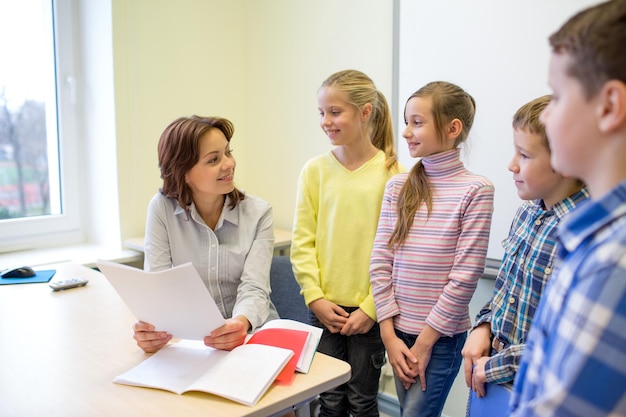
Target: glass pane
<point>29,161</point>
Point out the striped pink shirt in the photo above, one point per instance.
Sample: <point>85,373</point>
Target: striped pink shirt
<point>432,276</point>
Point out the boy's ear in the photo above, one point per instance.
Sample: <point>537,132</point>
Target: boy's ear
<point>455,128</point>
<point>612,106</point>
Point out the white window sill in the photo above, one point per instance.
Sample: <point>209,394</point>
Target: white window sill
<point>84,254</point>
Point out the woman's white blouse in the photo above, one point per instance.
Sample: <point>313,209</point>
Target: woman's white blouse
<point>233,260</point>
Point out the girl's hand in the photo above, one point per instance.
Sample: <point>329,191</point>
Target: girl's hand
<point>422,349</point>
<point>422,353</point>
<point>401,360</point>
<point>477,345</point>
<point>330,314</point>
<point>230,335</point>
<point>358,323</point>
<point>148,339</point>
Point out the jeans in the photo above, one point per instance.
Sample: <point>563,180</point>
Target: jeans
<point>441,371</point>
<point>366,355</point>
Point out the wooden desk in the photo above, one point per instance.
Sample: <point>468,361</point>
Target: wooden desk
<point>282,242</point>
<point>60,351</point>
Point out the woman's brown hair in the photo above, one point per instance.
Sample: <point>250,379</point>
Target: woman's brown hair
<point>178,152</point>
<point>449,102</point>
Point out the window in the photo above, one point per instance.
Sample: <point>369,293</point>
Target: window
<point>38,163</point>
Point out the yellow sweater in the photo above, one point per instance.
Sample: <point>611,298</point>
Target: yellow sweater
<point>335,224</point>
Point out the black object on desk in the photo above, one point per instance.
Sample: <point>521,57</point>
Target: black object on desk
<point>40,276</point>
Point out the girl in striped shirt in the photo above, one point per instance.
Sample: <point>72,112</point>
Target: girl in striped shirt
<point>430,249</point>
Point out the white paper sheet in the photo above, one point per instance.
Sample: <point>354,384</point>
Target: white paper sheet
<point>175,300</point>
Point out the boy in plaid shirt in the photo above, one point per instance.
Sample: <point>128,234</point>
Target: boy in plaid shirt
<point>493,350</point>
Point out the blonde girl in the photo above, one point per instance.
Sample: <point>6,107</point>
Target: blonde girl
<point>338,204</point>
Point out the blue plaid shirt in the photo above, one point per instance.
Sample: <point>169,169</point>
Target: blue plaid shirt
<point>575,358</point>
<point>529,252</point>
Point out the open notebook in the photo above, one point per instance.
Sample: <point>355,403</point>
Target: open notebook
<point>242,375</point>
<point>272,354</point>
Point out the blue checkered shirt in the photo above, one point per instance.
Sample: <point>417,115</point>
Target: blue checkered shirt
<point>575,358</point>
<point>529,252</point>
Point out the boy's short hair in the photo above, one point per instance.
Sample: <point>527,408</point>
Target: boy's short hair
<point>594,39</point>
<point>527,118</point>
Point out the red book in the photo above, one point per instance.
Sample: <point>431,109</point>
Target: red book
<point>294,340</point>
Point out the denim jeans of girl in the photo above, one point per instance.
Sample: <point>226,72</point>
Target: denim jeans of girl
<point>441,371</point>
<point>366,355</point>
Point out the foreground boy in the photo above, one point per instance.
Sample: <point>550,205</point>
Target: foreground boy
<point>575,358</point>
<point>495,346</point>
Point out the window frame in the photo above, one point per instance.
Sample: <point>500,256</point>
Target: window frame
<point>65,228</point>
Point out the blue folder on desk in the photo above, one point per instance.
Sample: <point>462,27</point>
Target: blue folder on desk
<point>41,276</point>
<point>494,404</point>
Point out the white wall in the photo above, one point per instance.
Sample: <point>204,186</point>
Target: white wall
<point>497,51</point>
<point>291,47</point>
<point>171,59</point>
